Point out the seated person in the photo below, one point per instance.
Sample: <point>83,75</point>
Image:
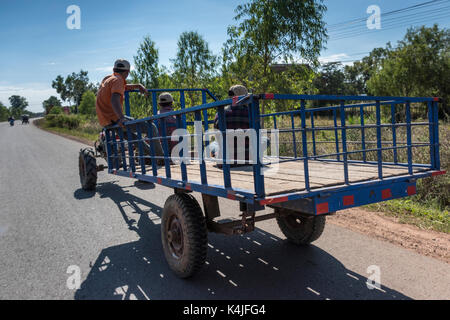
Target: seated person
<point>236,117</point>
<point>165,102</point>
<point>109,103</point>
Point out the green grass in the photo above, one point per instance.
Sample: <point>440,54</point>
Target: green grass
<point>87,130</point>
<point>411,211</point>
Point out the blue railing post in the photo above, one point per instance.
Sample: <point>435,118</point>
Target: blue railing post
<point>431,134</point>
<point>313,133</point>
<point>165,146</point>
<point>436,134</point>
<point>201,150</point>
<point>140,148</point>
<point>183,164</point>
<point>127,104</point>
<point>183,106</point>
<point>336,134</point>
<point>154,103</point>
<point>408,136</point>
<point>293,135</point>
<point>379,146</point>
<point>394,132</point>
<point>130,150</point>
<point>152,149</point>
<point>305,144</point>
<point>344,141</point>
<point>363,133</point>
<point>256,125</point>
<point>122,149</point>
<point>225,164</point>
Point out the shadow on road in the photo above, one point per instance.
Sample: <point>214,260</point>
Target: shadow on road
<point>258,265</point>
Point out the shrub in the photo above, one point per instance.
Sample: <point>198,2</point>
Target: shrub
<point>87,105</point>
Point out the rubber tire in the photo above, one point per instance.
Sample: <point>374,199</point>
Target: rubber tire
<point>87,169</point>
<point>194,233</point>
<point>308,230</point>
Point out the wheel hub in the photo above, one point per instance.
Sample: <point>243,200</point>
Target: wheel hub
<point>175,237</point>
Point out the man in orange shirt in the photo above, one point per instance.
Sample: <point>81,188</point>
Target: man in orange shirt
<point>110,98</point>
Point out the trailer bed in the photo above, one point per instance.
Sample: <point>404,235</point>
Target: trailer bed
<point>289,176</point>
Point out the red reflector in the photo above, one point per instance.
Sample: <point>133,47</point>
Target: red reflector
<point>386,194</point>
<point>188,186</point>
<point>231,196</point>
<point>131,174</point>
<point>235,100</point>
<point>273,200</point>
<point>436,99</point>
<point>159,180</point>
<point>438,173</point>
<point>269,96</point>
<point>411,190</point>
<point>322,208</point>
<point>348,200</point>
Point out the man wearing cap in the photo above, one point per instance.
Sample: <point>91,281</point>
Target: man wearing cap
<point>236,117</point>
<point>110,98</point>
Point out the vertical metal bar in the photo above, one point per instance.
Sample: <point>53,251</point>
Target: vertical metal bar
<point>225,164</point>
<point>127,103</point>
<point>140,148</point>
<point>114,149</point>
<point>122,149</point>
<point>436,135</point>
<point>379,152</point>
<point>183,106</point>
<point>165,146</point>
<point>305,144</point>
<point>394,132</point>
<point>205,111</point>
<point>275,122</point>
<point>154,103</point>
<point>431,135</point>
<point>130,151</point>
<point>201,151</point>
<point>344,142</point>
<point>313,133</point>
<point>408,136</point>
<point>152,149</point>
<point>293,136</point>
<point>336,134</point>
<point>183,163</point>
<point>108,149</point>
<point>256,125</point>
<point>363,133</point>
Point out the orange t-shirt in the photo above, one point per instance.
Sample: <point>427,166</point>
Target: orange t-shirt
<point>113,83</point>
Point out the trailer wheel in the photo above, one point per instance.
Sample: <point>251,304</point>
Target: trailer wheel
<point>88,169</point>
<point>301,230</point>
<point>184,235</point>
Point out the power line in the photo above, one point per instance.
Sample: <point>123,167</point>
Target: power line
<point>424,4</point>
<point>427,14</point>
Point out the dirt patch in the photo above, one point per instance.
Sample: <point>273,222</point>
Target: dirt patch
<point>426,242</point>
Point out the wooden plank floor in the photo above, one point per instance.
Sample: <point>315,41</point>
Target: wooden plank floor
<point>288,176</point>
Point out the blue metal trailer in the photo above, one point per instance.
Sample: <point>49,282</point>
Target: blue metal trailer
<point>374,143</point>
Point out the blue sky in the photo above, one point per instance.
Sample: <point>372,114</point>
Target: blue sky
<point>36,45</point>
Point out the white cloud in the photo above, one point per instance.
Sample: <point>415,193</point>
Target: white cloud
<point>35,93</point>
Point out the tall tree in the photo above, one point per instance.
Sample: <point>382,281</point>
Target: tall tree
<point>146,70</point>
<point>73,86</point>
<point>194,64</point>
<point>4,112</point>
<point>50,103</point>
<point>419,66</point>
<point>271,31</point>
<point>18,105</point>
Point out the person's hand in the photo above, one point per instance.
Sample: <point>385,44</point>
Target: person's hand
<point>143,90</point>
<point>121,122</point>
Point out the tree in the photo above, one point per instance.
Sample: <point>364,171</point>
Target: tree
<point>4,112</point>
<point>146,69</point>
<point>50,103</point>
<point>73,87</point>
<point>419,66</point>
<point>194,64</point>
<point>270,31</point>
<point>18,105</point>
<point>87,105</point>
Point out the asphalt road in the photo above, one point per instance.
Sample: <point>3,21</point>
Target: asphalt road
<point>48,224</point>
